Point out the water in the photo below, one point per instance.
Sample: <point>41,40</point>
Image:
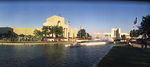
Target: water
<point>50,55</point>
<point>101,36</point>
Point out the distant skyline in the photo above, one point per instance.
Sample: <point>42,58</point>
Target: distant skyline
<point>99,16</point>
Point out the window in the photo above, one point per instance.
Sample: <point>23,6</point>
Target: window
<point>114,33</point>
<point>58,23</point>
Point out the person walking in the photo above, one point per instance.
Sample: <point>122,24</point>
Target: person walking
<point>142,43</point>
<point>130,44</point>
<point>145,45</point>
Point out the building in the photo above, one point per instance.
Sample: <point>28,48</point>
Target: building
<point>73,32</point>
<point>57,20</point>
<point>115,33</point>
<point>51,21</point>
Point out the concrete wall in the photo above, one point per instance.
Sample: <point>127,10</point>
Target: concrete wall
<point>17,30</point>
<point>71,32</point>
<point>75,32</point>
<point>54,20</point>
<point>25,31</point>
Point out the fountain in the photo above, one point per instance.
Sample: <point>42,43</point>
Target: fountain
<point>100,40</point>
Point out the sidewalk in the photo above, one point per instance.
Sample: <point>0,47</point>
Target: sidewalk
<point>139,46</point>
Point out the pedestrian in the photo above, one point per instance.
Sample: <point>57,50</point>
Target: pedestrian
<point>145,45</point>
<point>142,43</point>
<point>127,42</point>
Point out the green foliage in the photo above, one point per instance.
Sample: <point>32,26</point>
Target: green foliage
<point>144,27</point>
<point>36,39</point>
<point>30,36</point>
<point>123,37</point>
<point>38,33</point>
<point>10,34</point>
<point>134,33</point>
<point>51,28</point>
<point>88,35</point>
<point>21,35</point>
<point>58,30</point>
<point>83,33</point>
<point>45,30</point>
<point>8,38</point>
<point>16,39</point>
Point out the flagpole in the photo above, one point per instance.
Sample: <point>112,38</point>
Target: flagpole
<point>68,26</point>
<point>135,21</point>
<point>80,31</point>
<point>68,30</point>
<point>132,31</point>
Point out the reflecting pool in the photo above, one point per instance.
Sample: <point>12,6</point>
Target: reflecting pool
<point>51,55</point>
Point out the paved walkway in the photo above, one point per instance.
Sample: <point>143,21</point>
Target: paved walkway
<point>139,46</point>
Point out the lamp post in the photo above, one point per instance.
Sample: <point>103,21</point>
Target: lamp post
<point>80,30</point>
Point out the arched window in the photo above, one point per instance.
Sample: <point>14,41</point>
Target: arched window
<point>58,23</point>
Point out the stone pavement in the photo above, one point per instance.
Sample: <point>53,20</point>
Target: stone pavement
<point>139,46</point>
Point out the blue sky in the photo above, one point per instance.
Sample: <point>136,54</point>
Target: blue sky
<point>99,15</point>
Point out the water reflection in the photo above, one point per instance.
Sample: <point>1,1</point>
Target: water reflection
<point>50,55</point>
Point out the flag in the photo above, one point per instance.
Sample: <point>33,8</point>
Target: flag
<point>135,21</point>
<point>133,25</point>
<point>69,23</point>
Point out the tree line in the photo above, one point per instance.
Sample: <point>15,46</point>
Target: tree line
<point>47,30</point>
<point>83,34</point>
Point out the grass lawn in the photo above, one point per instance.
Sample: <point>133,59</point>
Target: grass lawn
<point>125,56</point>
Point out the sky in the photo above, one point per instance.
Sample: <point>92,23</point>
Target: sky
<point>100,16</point>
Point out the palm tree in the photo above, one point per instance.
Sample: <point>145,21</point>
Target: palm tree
<point>45,31</point>
<point>38,33</point>
<point>58,30</point>
<point>51,28</point>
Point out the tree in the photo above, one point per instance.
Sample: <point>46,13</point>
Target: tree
<point>58,30</point>
<point>123,37</point>
<point>10,34</point>
<point>38,33</point>
<point>45,31</point>
<point>21,35</point>
<point>88,35</point>
<point>29,36</point>
<point>134,33</point>
<point>82,33</point>
<point>51,28</point>
<point>144,28</point>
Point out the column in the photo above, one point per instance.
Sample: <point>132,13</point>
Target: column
<point>67,33</point>
<point>64,33</point>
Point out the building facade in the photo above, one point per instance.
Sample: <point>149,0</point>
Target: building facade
<point>51,21</point>
<point>57,20</point>
<point>115,33</point>
<point>73,32</point>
